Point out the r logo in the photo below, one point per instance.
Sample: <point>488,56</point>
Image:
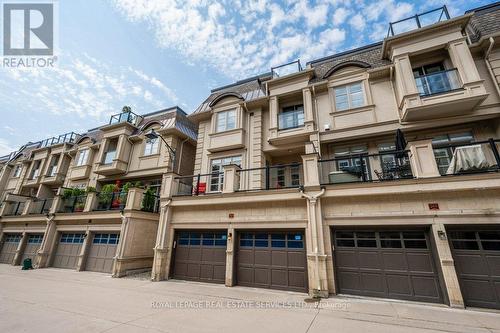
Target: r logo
<point>28,29</point>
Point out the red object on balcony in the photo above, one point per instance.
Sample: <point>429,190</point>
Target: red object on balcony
<point>202,187</point>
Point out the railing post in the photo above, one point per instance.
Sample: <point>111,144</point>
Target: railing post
<point>134,199</point>
<point>169,185</point>
<point>267,177</point>
<point>362,165</point>
<point>90,202</point>
<point>198,179</point>
<point>43,206</point>
<point>495,151</point>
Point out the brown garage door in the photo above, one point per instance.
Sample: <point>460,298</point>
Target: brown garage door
<point>68,249</point>
<point>275,259</point>
<point>32,247</point>
<point>390,264</point>
<point>200,256</point>
<point>477,260</point>
<point>101,253</point>
<point>9,247</point>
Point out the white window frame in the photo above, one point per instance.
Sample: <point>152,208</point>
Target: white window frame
<point>83,156</point>
<point>17,171</point>
<point>151,146</point>
<point>221,120</point>
<point>349,94</point>
<point>216,182</point>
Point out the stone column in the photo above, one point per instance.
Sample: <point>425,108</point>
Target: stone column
<point>447,265</point>
<point>231,178</point>
<point>462,60</point>
<point>27,206</point>
<point>82,257</point>
<point>90,202</point>
<point>134,199</point>
<point>316,257</point>
<point>169,185</point>
<point>49,237</point>
<point>20,249</point>
<point>422,160</point>
<point>310,168</point>
<point>231,241</point>
<point>164,242</point>
<point>120,249</point>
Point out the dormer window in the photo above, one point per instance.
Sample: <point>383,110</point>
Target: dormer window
<point>291,117</point>
<point>83,156</point>
<point>53,166</point>
<point>151,146</point>
<point>225,120</point>
<point>35,172</point>
<point>110,154</point>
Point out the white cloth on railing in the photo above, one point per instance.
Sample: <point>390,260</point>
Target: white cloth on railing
<point>468,158</point>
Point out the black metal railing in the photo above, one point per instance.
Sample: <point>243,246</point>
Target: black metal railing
<point>418,21</point>
<point>366,167</point>
<point>41,206</point>
<point>468,158</point>
<point>111,200</point>
<point>272,177</point>
<point>285,69</point>
<point>438,82</point>
<point>73,204</point>
<point>14,208</point>
<point>128,117</point>
<point>150,202</point>
<point>200,184</point>
<point>70,137</point>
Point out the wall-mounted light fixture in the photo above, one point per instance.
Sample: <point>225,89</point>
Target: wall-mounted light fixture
<point>441,235</point>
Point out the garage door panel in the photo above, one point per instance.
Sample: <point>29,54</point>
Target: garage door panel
<point>372,282</point>
<point>273,259</point>
<point>369,260</point>
<point>296,260</point>
<point>398,264</point>
<point>420,262</point>
<point>395,261</point>
<point>398,284</point>
<point>493,262</point>
<point>476,253</point>
<point>473,264</point>
<point>349,281</point>
<point>102,252</point>
<point>346,259</point>
<point>200,256</point>
<point>68,250</point>
<point>9,248</point>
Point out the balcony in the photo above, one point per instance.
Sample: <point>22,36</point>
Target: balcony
<point>125,117</point>
<point>70,137</point>
<point>357,168</point>
<point>232,139</point>
<point>14,208</point>
<point>40,206</point>
<point>438,83</point>
<point>418,21</point>
<point>73,204</point>
<point>441,94</point>
<point>111,201</point>
<point>274,177</point>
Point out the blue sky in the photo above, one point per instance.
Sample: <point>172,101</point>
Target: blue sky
<point>159,53</point>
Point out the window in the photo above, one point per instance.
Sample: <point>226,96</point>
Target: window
<point>53,166</point>
<point>349,160</point>
<point>110,154</point>
<point>83,156</point>
<point>72,238</point>
<point>349,96</point>
<point>36,169</point>
<point>291,117</point>
<point>151,146</point>
<point>435,79</point>
<point>35,239</point>
<point>444,154</point>
<point>17,171</point>
<point>217,177</point>
<point>106,239</point>
<point>225,120</point>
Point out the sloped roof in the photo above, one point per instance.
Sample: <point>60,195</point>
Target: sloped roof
<point>485,21</point>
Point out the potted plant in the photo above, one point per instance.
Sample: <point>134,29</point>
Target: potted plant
<point>148,200</point>
<point>106,195</point>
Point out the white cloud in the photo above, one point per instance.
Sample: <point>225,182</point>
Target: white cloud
<point>340,15</point>
<point>5,147</point>
<point>358,22</point>
<point>86,87</point>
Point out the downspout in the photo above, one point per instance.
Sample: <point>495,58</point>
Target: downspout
<point>313,199</point>
<point>316,111</point>
<point>488,65</point>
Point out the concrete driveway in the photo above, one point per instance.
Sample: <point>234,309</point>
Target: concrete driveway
<point>57,300</point>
